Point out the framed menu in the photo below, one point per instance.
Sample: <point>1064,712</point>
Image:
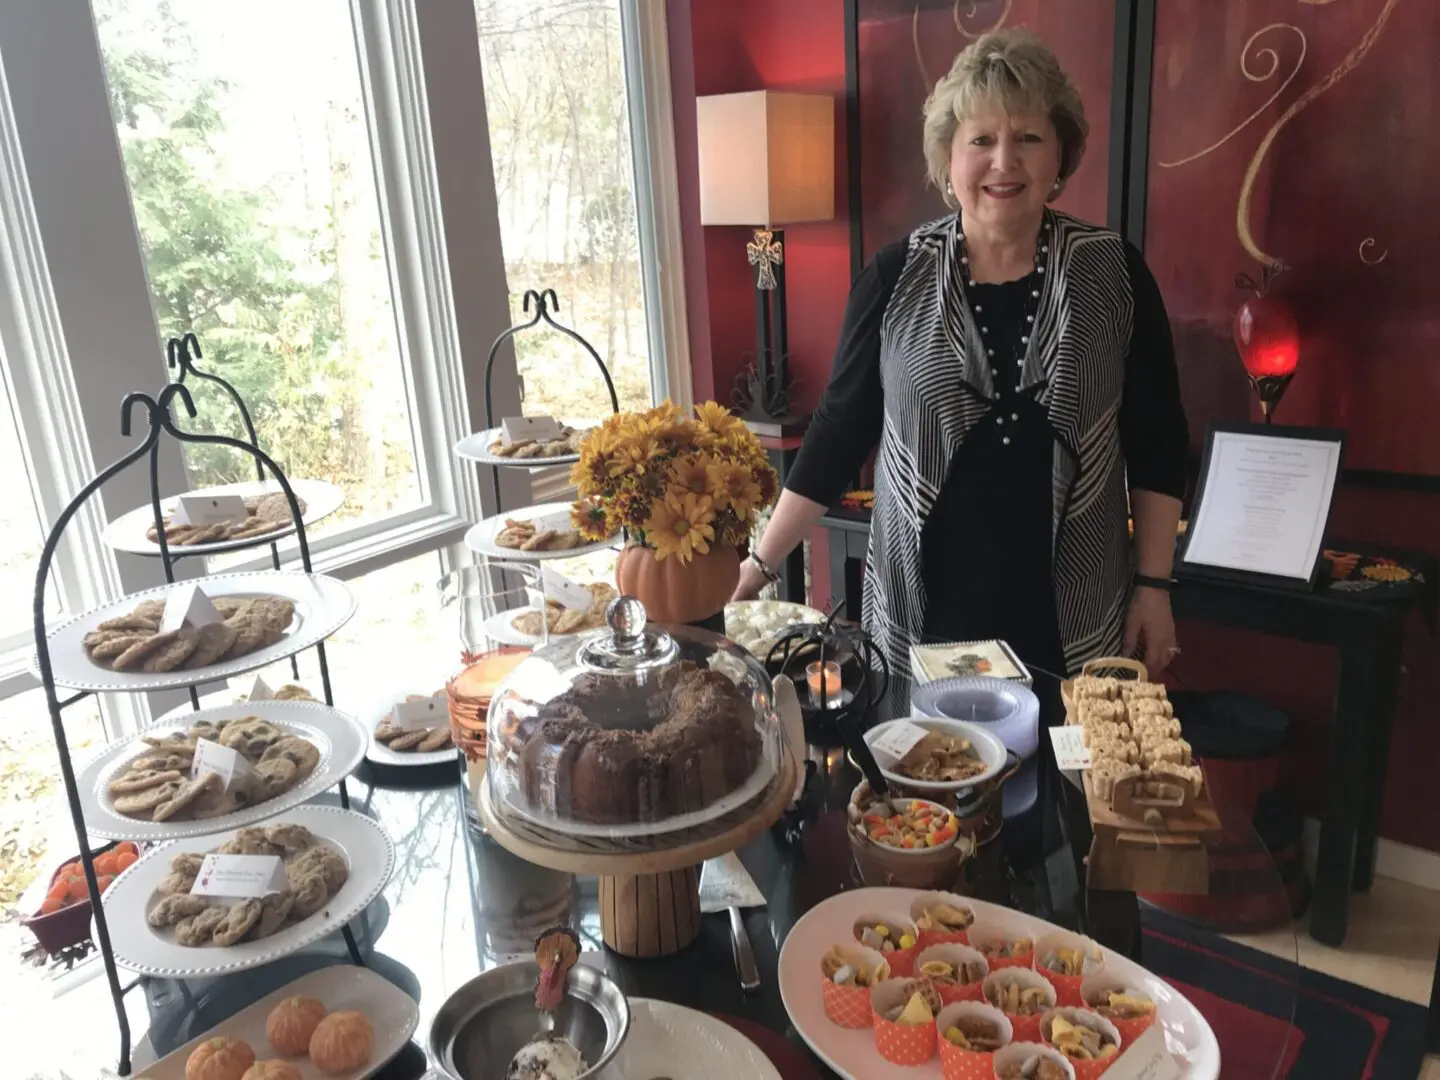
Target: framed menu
<point>1262,504</point>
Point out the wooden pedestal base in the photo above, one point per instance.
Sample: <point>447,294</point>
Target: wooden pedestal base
<point>645,915</point>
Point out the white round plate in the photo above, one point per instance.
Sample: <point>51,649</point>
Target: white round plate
<point>338,738</point>
<point>322,606</point>
<point>662,1035</point>
<point>476,448</point>
<point>852,1053</point>
<point>754,625</point>
<point>500,628</point>
<point>764,773</point>
<point>368,852</point>
<point>381,754</point>
<point>127,532</point>
<point>988,748</point>
<point>481,538</point>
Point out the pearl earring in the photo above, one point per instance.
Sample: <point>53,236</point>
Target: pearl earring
<point>949,189</point>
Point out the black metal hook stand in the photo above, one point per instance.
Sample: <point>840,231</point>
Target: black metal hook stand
<point>180,356</point>
<point>544,301</point>
<point>157,413</point>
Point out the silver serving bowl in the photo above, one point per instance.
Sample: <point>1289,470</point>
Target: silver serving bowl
<point>482,1025</point>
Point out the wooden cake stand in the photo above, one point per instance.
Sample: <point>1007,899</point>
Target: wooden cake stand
<point>649,886</point>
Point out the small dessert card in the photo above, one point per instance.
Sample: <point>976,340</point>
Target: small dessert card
<point>1147,1058</point>
<point>209,510</point>
<point>423,714</point>
<point>1070,749</point>
<point>211,757</point>
<point>260,691</point>
<point>898,740</point>
<point>188,606</point>
<point>565,592</point>
<point>239,877</point>
<point>539,428</point>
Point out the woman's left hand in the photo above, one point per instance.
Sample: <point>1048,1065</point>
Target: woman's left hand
<point>1150,629</point>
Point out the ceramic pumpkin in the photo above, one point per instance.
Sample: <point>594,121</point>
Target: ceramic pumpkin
<point>220,1058</point>
<point>274,1069</point>
<point>676,592</point>
<point>343,1041</point>
<point>292,1022</point>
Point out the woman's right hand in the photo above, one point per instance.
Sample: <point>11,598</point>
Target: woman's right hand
<point>750,583</point>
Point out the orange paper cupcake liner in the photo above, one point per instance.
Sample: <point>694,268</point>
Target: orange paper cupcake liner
<point>1067,987</point>
<point>1089,1070</point>
<point>903,1045</point>
<point>943,937</point>
<point>1027,1028</point>
<point>846,1006</point>
<point>1130,1030</point>
<point>902,962</point>
<point>1024,960</point>
<point>950,994</point>
<point>957,1064</point>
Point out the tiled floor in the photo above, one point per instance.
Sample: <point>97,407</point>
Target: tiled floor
<point>1390,948</point>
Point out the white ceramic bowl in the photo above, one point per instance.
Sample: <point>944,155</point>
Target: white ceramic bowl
<point>988,748</point>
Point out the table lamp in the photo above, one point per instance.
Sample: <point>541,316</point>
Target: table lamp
<point>1267,338</point>
<point>767,159</point>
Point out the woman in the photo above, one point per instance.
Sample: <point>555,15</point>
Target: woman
<point>1015,366</point>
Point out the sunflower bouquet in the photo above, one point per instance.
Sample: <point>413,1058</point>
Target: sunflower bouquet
<point>678,484</point>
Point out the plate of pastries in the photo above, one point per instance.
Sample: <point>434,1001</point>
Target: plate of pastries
<point>338,1023</point>
<point>263,616</point>
<point>149,787</point>
<point>535,532</point>
<point>418,743</point>
<point>331,864</point>
<point>267,517</point>
<point>489,448</point>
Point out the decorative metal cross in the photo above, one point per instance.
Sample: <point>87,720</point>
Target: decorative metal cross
<point>765,253</point>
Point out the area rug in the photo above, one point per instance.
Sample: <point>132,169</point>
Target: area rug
<point>1276,1019</point>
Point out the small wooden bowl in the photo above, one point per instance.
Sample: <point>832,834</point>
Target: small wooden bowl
<point>928,868</point>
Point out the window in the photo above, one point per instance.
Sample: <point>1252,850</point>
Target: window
<point>565,181</point>
<point>243,130</point>
<point>22,534</point>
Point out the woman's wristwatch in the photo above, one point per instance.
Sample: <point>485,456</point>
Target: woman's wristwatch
<point>769,575</point>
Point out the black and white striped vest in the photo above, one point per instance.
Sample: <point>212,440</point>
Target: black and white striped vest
<point>937,386</point>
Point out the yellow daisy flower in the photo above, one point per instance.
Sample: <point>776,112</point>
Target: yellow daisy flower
<point>719,419</point>
<point>681,526</point>
<point>690,475</point>
<point>735,486</point>
<point>633,454</point>
<point>590,521</point>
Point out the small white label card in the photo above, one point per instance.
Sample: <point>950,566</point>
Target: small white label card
<point>568,594</point>
<point>188,606</point>
<point>539,428</point>
<point>211,757</point>
<point>1147,1058</point>
<point>260,691</point>
<point>239,876</point>
<point>423,714</point>
<point>898,739</point>
<point>1070,750</point>
<point>209,510</point>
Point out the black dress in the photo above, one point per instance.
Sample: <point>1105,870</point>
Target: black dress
<point>986,550</point>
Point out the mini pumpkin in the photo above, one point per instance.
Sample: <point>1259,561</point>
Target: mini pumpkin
<point>274,1069</point>
<point>220,1058</point>
<point>292,1022</point>
<point>343,1041</point>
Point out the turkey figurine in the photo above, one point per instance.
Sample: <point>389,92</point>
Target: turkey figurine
<point>556,951</point>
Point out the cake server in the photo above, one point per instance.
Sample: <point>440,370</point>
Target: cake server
<point>725,885</point>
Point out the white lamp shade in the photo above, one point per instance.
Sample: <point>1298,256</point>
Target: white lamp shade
<point>766,158</point>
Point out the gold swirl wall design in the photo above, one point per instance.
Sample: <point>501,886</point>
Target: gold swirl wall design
<point>1352,60</point>
<point>970,35</point>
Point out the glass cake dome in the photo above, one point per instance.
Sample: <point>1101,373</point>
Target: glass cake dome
<point>632,730</point>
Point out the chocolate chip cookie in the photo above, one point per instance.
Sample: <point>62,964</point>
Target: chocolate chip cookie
<point>173,908</point>
<point>213,640</point>
<point>142,780</point>
<point>143,803</point>
<point>301,753</point>
<point>200,929</point>
<point>238,921</point>
<point>274,910</point>
<point>188,792</point>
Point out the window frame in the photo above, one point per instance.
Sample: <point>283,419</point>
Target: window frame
<point>78,327</point>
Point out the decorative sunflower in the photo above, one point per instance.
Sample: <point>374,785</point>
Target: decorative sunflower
<point>690,475</point>
<point>681,526</point>
<point>590,521</point>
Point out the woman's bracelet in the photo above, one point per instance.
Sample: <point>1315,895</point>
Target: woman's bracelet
<point>765,571</point>
<point>1144,581</point>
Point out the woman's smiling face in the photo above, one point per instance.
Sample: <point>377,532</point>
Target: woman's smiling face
<point>1003,168</point>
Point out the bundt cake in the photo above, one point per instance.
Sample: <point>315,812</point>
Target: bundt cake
<point>610,752</point>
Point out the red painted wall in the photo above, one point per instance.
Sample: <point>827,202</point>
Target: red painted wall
<point>723,46</point>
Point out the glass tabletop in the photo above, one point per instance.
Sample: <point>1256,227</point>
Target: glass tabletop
<point>442,918</point>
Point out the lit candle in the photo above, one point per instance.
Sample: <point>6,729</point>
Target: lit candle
<point>832,686</point>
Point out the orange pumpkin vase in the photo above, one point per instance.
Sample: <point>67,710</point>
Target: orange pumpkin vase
<point>676,592</point>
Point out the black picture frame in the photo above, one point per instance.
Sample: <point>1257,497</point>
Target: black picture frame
<point>1184,568</point>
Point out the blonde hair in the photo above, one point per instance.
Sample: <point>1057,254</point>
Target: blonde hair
<point>1017,72</point>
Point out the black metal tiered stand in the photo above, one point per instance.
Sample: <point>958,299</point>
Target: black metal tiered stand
<point>160,421</point>
<point>544,302</point>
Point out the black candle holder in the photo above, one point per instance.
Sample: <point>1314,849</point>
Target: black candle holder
<point>864,674</point>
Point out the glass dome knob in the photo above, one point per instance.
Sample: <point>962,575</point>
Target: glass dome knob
<point>626,618</point>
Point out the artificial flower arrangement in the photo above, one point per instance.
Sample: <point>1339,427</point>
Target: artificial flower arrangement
<point>678,484</point>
